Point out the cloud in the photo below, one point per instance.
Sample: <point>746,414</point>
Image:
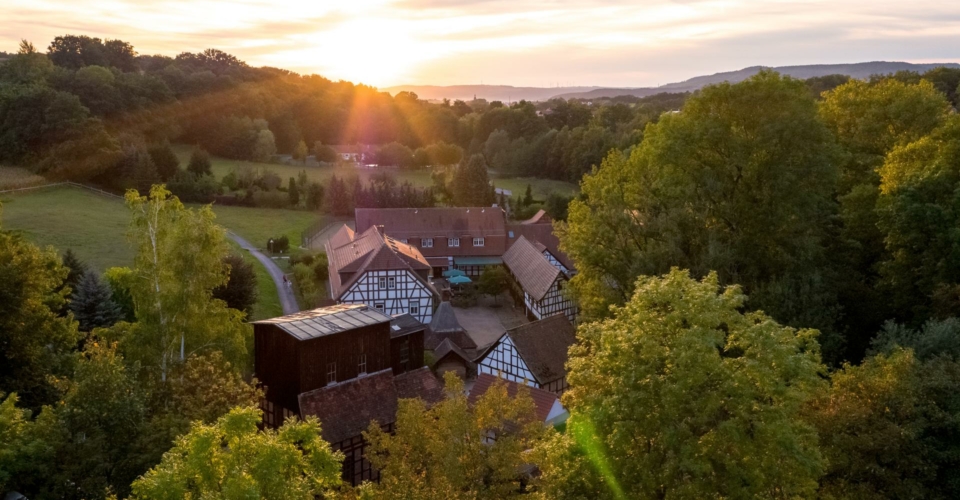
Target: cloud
<point>523,42</point>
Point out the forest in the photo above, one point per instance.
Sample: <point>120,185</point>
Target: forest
<point>768,274</point>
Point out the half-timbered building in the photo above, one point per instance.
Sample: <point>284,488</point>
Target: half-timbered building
<point>347,365</point>
<point>382,272</point>
<point>542,279</point>
<point>546,404</point>
<point>534,354</point>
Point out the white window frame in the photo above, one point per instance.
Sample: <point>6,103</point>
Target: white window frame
<point>332,372</point>
<point>478,242</point>
<point>403,240</point>
<point>382,281</point>
<point>362,364</point>
<point>426,242</point>
<point>414,309</point>
<point>453,242</point>
<point>391,283</point>
<point>379,306</point>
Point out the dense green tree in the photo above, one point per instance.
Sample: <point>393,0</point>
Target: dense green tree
<point>23,447</point>
<point>92,304</point>
<point>75,267</point>
<point>36,343</point>
<point>494,281</point>
<point>446,451</point>
<point>934,338</point>
<point>888,428</point>
<point>120,280</point>
<point>240,290</point>
<point>164,160</point>
<point>470,184</point>
<point>919,213</point>
<point>199,162</point>
<point>314,194</point>
<point>324,153</point>
<point>178,317</point>
<point>337,198</point>
<point>740,182</point>
<point>395,155</point>
<point>556,206</point>
<point>26,67</point>
<point>300,152</point>
<point>233,459</point>
<point>682,395</point>
<point>293,193</point>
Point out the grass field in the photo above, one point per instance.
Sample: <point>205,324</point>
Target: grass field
<point>95,226</point>
<point>418,178</point>
<point>268,299</point>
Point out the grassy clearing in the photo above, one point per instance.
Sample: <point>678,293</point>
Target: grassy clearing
<point>268,299</point>
<point>418,178</point>
<point>15,178</point>
<point>95,227</point>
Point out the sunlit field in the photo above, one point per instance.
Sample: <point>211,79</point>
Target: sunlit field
<point>15,178</point>
<point>418,178</point>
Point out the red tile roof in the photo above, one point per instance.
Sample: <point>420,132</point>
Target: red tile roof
<point>346,409</point>
<point>533,271</point>
<point>408,223</point>
<point>543,401</point>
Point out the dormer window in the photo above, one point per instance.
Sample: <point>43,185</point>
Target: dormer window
<point>453,242</point>
<point>478,242</point>
<point>426,243</point>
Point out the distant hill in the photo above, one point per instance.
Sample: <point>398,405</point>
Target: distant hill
<point>856,70</point>
<point>489,92</point>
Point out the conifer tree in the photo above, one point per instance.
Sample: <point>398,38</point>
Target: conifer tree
<point>92,304</point>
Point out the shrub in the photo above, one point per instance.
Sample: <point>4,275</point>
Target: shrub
<point>278,245</point>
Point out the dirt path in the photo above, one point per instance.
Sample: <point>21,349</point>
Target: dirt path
<point>287,300</point>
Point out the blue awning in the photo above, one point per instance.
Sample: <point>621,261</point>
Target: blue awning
<point>477,261</point>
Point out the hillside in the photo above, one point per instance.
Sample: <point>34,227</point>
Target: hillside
<point>855,70</point>
<point>489,92</point>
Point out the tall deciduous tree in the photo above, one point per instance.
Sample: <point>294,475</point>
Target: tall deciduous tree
<point>36,343</point>
<point>233,459</point>
<point>887,428</point>
<point>454,451</point>
<point>199,162</point>
<point>740,182</point>
<point>682,395</point>
<point>176,316</point>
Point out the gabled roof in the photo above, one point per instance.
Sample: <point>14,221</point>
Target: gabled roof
<point>543,401</point>
<point>445,326</point>
<point>541,234</point>
<point>403,324</point>
<point>540,217</point>
<point>322,321</point>
<point>352,253</point>
<point>531,268</point>
<point>433,222</point>
<point>543,345</point>
<point>346,409</point>
<point>448,348</point>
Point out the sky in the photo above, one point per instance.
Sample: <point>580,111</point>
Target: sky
<point>540,43</point>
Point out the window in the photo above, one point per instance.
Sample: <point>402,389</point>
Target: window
<point>391,282</point>
<point>404,354</point>
<point>426,242</point>
<point>267,408</point>
<point>331,373</point>
<point>478,242</point>
<point>362,364</point>
<point>378,306</point>
<point>403,240</point>
<point>453,242</point>
<point>415,309</point>
<point>383,282</point>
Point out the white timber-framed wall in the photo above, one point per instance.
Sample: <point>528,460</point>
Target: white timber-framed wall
<point>553,302</point>
<point>396,291</point>
<point>505,362</point>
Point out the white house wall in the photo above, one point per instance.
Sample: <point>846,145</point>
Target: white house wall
<point>407,291</point>
<point>504,362</point>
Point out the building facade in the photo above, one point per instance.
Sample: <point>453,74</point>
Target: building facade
<point>542,278</point>
<point>534,354</point>
<point>386,274</point>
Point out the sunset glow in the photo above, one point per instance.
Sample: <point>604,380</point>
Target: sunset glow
<point>533,42</point>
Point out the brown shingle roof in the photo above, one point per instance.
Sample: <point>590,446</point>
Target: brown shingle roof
<point>541,235</point>
<point>433,222</point>
<point>353,254</point>
<point>534,272</point>
<point>543,401</point>
<point>448,348</point>
<point>543,345</point>
<point>445,326</point>
<point>346,409</point>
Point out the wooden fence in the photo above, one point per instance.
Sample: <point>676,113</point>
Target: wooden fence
<point>67,183</point>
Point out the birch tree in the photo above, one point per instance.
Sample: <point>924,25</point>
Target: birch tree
<point>179,262</point>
